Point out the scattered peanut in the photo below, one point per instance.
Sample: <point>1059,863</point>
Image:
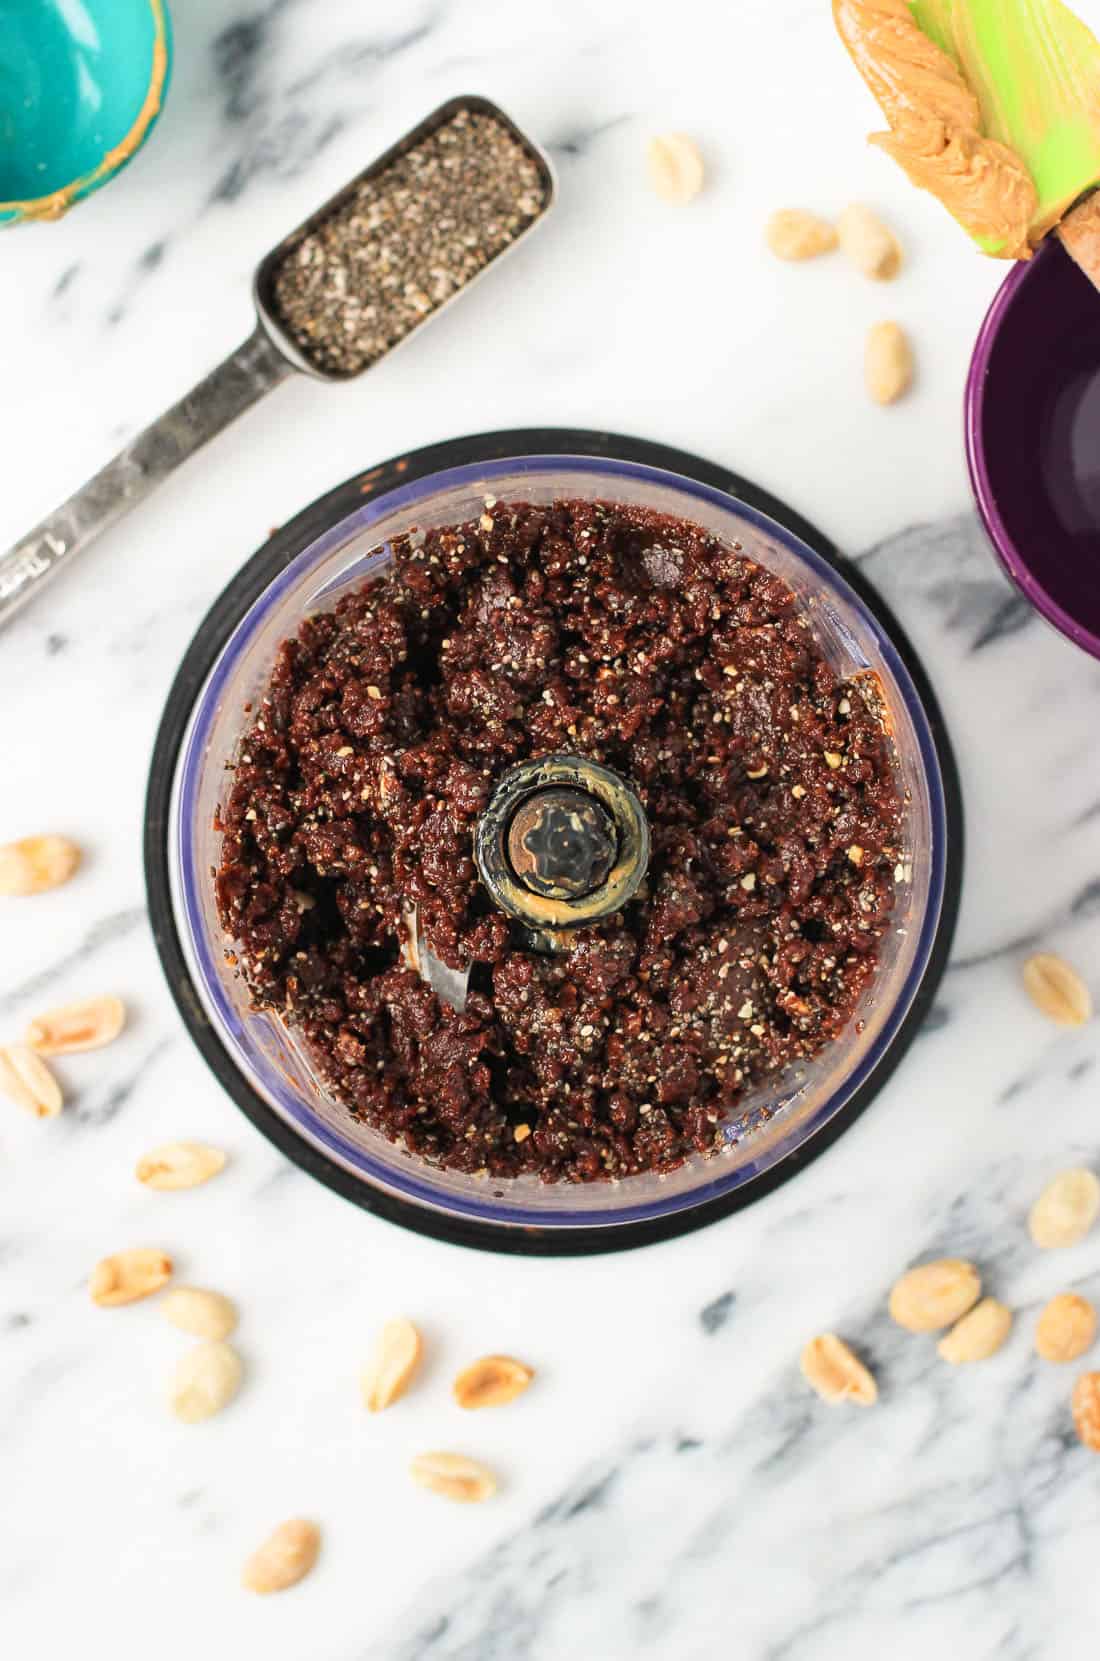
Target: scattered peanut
<point>454,1476</point>
<point>206,1380</point>
<point>978,1335</point>
<point>395,1358</point>
<point>129,1275</point>
<point>203,1314</point>
<point>37,863</point>
<point>935,1295</point>
<point>179,1165</point>
<point>25,1077</point>
<point>1066,1210</point>
<point>836,1373</point>
<point>888,363</point>
<point>1066,1328</point>
<point>675,167</point>
<point>794,235</point>
<point>491,1382</point>
<point>869,244</point>
<point>285,1558</point>
<point>1086,1409</point>
<point>82,1026</point>
<point>1058,990</point>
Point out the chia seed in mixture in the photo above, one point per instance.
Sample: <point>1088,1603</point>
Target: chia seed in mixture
<point>405,240</point>
<point>628,638</point>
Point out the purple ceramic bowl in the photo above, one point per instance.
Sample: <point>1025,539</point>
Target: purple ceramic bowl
<point>1033,439</point>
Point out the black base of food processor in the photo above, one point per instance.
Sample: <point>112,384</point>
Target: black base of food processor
<point>283,546</point>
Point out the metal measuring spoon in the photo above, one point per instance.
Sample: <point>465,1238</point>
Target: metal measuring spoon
<point>261,363</point>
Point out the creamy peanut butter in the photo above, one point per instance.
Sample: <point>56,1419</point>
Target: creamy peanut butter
<point>1080,235</point>
<point>936,131</point>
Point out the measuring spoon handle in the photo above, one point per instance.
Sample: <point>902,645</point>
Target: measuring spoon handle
<point>253,369</point>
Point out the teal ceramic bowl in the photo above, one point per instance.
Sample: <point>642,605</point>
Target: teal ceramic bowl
<point>81,85</point>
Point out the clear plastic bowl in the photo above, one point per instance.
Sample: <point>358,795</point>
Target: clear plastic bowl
<point>800,1102</point>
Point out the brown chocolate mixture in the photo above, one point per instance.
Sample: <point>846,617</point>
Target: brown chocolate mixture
<point>638,641</point>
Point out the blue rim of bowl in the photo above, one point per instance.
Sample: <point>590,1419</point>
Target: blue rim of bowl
<point>1004,544</point>
<point>29,210</point>
<point>411,1185</point>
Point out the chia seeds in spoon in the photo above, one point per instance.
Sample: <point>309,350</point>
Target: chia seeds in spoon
<point>405,241</point>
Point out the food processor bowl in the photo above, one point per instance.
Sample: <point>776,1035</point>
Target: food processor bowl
<point>776,1120</point>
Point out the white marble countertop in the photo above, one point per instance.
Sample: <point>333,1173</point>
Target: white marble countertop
<point>671,1487</point>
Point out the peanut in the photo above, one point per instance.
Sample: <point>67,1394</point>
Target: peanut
<point>286,1557</point>
<point>1066,1210</point>
<point>1086,1409</point>
<point>81,1026</point>
<point>888,363</point>
<point>1066,1328</point>
<point>1058,990</point>
<point>836,1373</point>
<point>129,1275</point>
<point>675,167</point>
<point>491,1382</point>
<point>27,1080</point>
<point>935,1295</point>
<point>206,1379</point>
<point>869,244</point>
<point>392,1364</point>
<point>793,235</point>
<point>36,864</point>
<point>179,1165</point>
<point>454,1477</point>
<point>978,1335</point>
<point>202,1314</point>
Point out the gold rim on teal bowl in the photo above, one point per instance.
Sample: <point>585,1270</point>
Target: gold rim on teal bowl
<point>81,88</point>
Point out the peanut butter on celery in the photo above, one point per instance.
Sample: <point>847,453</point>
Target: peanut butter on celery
<point>936,126</point>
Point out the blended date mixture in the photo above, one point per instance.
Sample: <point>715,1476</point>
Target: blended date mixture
<point>628,638</point>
